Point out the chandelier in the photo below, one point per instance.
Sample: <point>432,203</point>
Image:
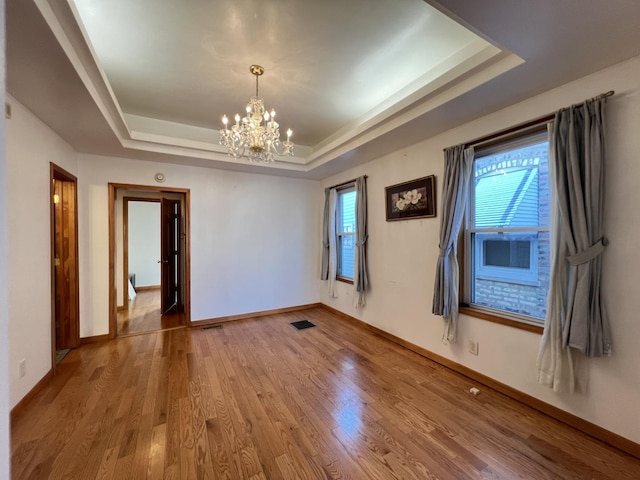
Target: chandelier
<point>257,134</point>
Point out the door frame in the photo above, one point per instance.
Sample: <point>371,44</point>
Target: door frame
<point>113,303</point>
<point>60,174</point>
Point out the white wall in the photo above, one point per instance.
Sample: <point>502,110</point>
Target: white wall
<point>403,257</point>
<point>254,238</point>
<point>31,145</point>
<point>4,312</point>
<point>144,242</point>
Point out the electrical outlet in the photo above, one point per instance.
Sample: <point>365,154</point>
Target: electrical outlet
<point>22,368</point>
<point>473,347</point>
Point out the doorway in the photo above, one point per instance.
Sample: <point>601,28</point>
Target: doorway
<point>65,324</point>
<point>149,259</point>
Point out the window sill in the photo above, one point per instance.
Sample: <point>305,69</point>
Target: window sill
<point>472,312</point>
<point>345,280</point>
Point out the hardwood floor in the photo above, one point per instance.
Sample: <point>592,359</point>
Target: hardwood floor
<point>258,399</point>
<point>144,315</point>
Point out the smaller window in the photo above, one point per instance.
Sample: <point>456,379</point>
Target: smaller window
<point>507,257</point>
<point>346,231</point>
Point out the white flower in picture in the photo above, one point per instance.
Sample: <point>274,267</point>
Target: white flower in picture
<point>413,196</point>
<point>400,204</point>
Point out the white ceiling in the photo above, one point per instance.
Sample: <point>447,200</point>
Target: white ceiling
<point>188,62</point>
<point>150,79</point>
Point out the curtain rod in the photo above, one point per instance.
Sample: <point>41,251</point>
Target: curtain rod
<point>522,126</point>
<point>346,183</point>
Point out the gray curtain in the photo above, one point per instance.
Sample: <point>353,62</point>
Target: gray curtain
<point>575,310</point>
<point>458,163</point>
<point>361,273</point>
<point>324,273</point>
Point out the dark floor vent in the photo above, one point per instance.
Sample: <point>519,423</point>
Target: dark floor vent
<point>302,324</point>
<point>212,327</point>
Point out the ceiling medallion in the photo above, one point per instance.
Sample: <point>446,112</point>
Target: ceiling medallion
<point>256,136</point>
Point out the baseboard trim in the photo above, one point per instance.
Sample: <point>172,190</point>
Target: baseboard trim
<point>147,287</point>
<point>244,316</point>
<point>94,339</point>
<point>37,388</point>
<point>591,429</point>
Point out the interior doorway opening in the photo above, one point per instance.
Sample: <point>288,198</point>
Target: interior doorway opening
<point>149,249</point>
<point>65,304</point>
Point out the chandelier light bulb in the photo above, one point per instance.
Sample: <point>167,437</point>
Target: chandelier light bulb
<point>253,138</point>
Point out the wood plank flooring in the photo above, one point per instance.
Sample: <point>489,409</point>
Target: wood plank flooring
<point>258,399</point>
<point>144,315</point>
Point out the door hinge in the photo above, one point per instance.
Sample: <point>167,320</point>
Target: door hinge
<point>56,262</point>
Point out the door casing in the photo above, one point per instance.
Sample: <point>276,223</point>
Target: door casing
<point>186,257</point>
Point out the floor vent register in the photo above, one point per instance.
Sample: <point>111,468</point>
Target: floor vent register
<point>302,324</point>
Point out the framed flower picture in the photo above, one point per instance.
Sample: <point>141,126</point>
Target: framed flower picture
<point>414,199</point>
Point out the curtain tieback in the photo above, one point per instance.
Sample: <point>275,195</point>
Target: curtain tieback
<point>588,254</point>
<point>363,241</point>
<point>443,252</point>
<point>325,244</point>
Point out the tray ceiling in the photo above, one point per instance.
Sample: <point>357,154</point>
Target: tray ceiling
<point>151,79</point>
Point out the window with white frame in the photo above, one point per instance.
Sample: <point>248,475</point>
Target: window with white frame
<point>506,247</point>
<point>346,231</point>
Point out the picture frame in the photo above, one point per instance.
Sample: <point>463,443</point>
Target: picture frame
<point>413,199</point>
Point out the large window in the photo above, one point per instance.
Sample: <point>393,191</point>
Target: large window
<point>507,230</point>
<point>346,231</point>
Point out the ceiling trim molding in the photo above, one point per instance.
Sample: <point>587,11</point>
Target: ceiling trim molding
<point>63,22</point>
<point>493,67</point>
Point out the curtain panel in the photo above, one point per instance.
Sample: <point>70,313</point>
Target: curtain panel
<point>333,244</point>
<point>458,163</point>
<point>324,272</point>
<point>576,320</point>
<point>361,269</point>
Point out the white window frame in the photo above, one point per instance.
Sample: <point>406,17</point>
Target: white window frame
<point>341,234</point>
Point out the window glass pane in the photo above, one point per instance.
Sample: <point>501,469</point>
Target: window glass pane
<point>347,209</point>
<point>509,187</point>
<point>345,256</point>
<point>507,253</point>
<point>501,278</point>
<point>346,228</point>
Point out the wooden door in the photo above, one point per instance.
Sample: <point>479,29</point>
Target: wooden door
<point>171,253</point>
<point>65,293</point>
